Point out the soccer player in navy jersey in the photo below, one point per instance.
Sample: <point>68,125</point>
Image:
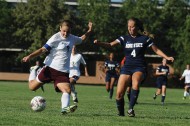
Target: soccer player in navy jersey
<point>57,62</point>
<point>134,46</point>
<point>162,73</point>
<point>112,72</point>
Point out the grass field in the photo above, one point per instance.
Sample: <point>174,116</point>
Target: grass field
<point>94,108</point>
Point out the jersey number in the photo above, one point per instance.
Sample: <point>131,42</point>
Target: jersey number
<point>133,53</point>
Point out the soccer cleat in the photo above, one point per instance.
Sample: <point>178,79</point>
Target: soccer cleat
<point>121,114</point>
<point>162,103</point>
<point>154,97</point>
<point>131,113</point>
<point>42,88</point>
<point>184,98</point>
<point>75,101</point>
<point>69,109</point>
<point>110,97</point>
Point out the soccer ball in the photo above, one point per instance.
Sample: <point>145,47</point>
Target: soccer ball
<point>38,103</point>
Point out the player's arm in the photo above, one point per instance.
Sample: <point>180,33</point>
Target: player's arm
<point>106,44</point>
<point>83,37</point>
<point>86,70</point>
<point>160,53</point>
<point>160,73</point>
<point>182,77</point>
<point>117,69</point>
<point>34,54</point>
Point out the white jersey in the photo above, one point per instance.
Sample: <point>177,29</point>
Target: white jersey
<point>60,51</point>
<point>75,61</point>
<point>186,74</point>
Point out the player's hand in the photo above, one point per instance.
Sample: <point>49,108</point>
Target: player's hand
<point>164,73</point>
<point>95,41</point>
<point>90,26</point>
<point>170,59</point>
<point>26,59</point>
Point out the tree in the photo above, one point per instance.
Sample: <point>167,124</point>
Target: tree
<point>98,13</point>
<point>182,46</point>
<point>172,16</point>
<point>5,25</point>
<point>36,21</point>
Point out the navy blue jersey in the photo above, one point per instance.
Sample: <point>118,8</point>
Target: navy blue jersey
<point>134,49</point>
<point>162,68</point>
<point>111,66</point>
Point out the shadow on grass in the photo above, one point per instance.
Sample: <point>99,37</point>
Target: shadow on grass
<point>166,104</point>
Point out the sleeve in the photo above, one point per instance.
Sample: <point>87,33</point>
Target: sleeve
<point>77,40</point>
<point>158,69</point>
<point>117,64</point>
<point>106,64</point>
<point>49,43</point>
<point>184,73</point>
<point>149,42</point>
<point>120,40</point>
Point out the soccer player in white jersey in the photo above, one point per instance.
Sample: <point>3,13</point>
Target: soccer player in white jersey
<point>74,74</point>
<point>186,75</point>
<point>57,63</point>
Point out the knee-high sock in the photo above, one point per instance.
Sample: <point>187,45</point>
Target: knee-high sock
<point>163,98</point>
<point>111,92</point>
<point>65,100</point>
<point>32,75</point>
<point>133,98</point>
<point>128,95</point>
<point>120,106</point>
<point>73,92</point>
<point>186,94</point>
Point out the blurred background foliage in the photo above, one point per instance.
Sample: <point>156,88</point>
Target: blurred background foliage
<point>29,25</point>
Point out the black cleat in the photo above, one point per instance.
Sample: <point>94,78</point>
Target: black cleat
<point>42,88</point>
<point>121,114</point>
<point>154,97</point>
<point>76,101</point>
<point>131,113</point>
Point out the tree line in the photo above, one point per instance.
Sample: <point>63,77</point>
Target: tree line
<point>29,25</point>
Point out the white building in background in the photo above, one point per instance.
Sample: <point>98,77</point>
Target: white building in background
<point>16,1</point>
<point>116,3</point>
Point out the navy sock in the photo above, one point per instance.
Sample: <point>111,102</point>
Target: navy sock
<point>163,98</point>
<point>133,98</point>
<point>128,95</point>
<point>120,107</point>
<point>111,93</point>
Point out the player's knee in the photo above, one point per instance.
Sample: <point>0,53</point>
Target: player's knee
<point>65,90</point>
<point>32,88</point>
<point>119,95</point>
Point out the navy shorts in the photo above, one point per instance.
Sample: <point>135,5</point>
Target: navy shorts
<point>109,76</point>
<point>131,70</point>
<point>48,74</point>
<point>161,82</point>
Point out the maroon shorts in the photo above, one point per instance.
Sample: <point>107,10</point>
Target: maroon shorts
<point>48,74</point>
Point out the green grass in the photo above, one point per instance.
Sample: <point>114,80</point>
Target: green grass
<point>94,109</point>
